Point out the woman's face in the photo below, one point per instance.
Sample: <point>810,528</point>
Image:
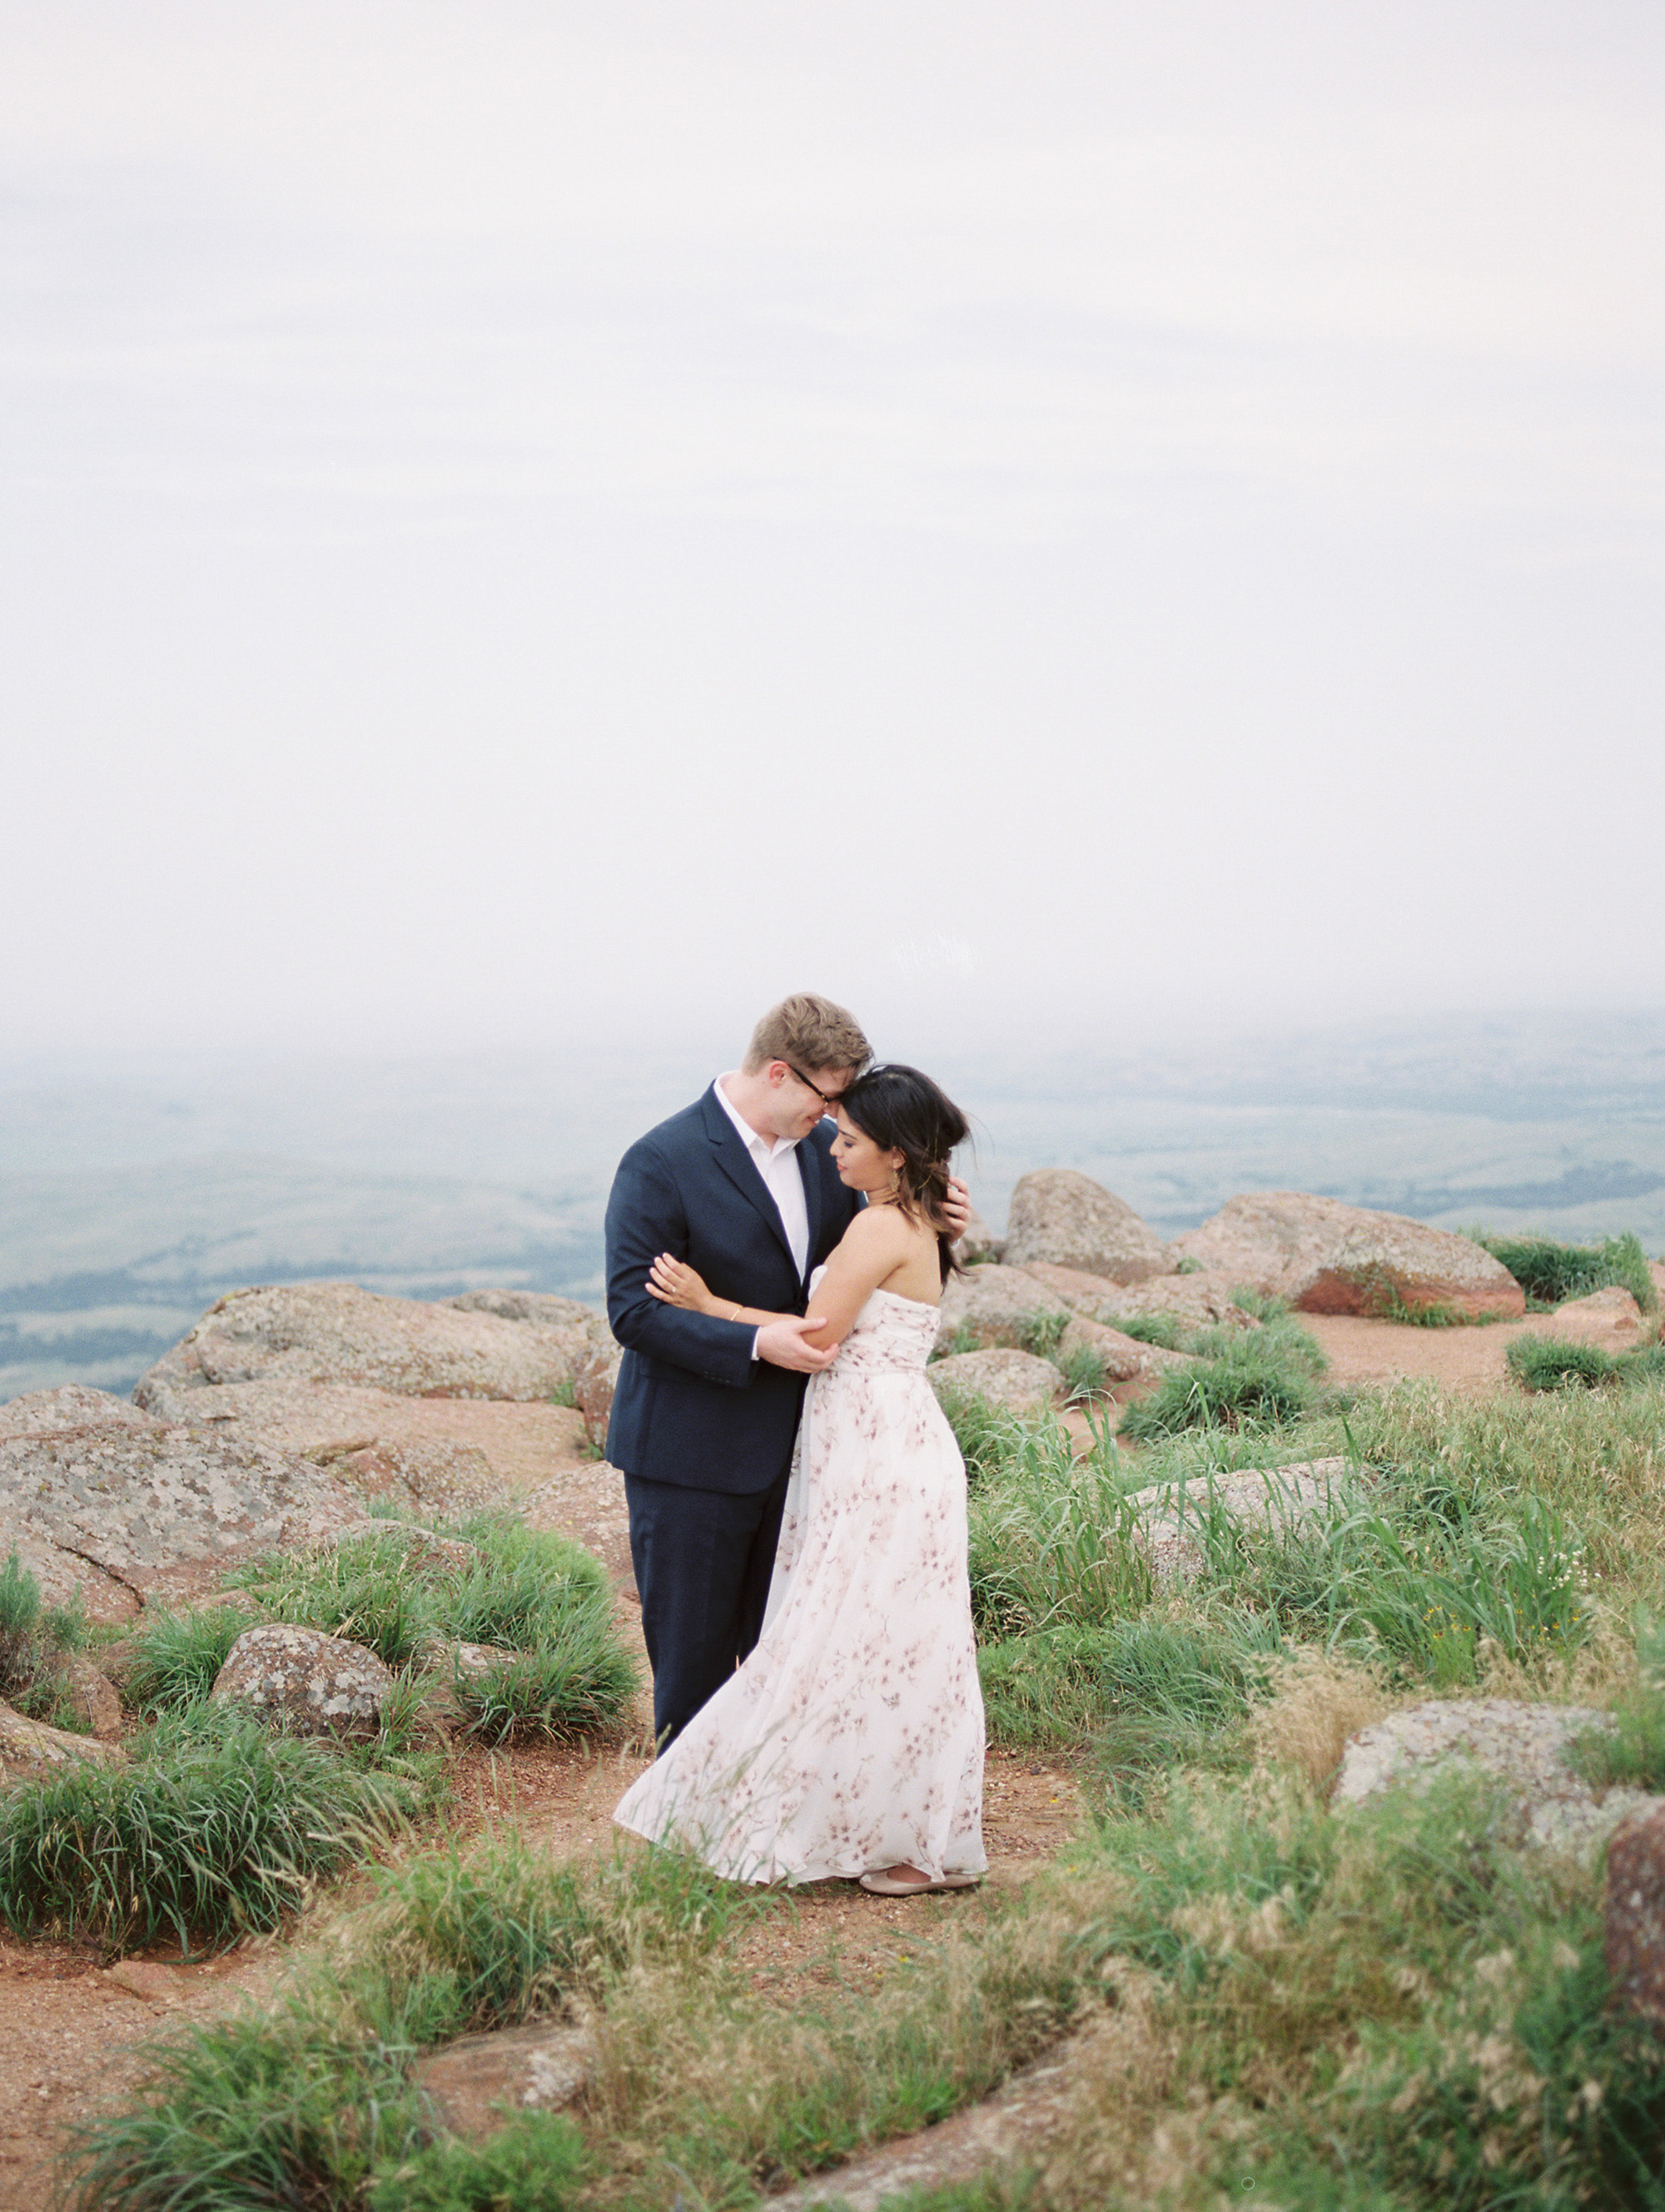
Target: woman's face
<point>861,1164</point>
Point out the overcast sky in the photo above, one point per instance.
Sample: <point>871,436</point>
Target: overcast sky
<point>531,520</point>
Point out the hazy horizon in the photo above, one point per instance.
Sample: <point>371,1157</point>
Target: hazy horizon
<point>134,1193</point>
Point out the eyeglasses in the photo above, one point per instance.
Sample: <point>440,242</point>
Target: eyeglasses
<point>829,1100</point>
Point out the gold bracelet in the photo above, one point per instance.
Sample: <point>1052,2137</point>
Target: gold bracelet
<point>735,1315</point>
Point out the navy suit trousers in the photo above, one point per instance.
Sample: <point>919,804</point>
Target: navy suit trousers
<point>703,1560</point>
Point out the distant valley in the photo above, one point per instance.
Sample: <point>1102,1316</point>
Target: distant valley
<point>133,1195</point>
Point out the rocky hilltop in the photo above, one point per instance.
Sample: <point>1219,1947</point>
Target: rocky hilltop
<point>1315,1254</point>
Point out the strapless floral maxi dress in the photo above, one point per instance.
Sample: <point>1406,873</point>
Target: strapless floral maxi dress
<point>852,1738</point>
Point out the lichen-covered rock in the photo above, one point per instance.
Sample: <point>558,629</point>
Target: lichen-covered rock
<point>1199,1300</point>
<point>124,1509</point>
<point>1324,1257</point>
<point>50,1413</point>
<point>1125,1360</point>
<point>324,1332</point>
<point>1015,1380</point>
<point>593,1391</point>
<point>310,1683</point>
<point>28,1749</point>
<point>544,1308</point>
<point>1524,1747</point>
<point>1072,1221</point>
<point>436,1474</point>
<point>466,1662</point>
<point>1174,1519</point>
<point>1635,1913</point>
<point>997,1305</point>
<point>1610,1313</point>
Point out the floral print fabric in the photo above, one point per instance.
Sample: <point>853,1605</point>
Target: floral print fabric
<point>853,1736</point>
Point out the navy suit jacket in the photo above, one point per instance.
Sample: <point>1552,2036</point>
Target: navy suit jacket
<point>691,1406</point>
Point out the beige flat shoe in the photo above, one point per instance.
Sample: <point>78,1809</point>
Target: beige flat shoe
<point>885,1885</point>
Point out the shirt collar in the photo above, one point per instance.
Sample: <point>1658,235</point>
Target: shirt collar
<point>750,1137</point>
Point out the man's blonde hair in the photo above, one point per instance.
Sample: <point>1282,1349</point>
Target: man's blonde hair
<point>810,1032</point>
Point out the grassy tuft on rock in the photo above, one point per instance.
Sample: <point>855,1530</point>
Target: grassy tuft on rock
<point>1257,1378</point>
<point>1547,1363</point>
<point>537,1596</point>
<point>211,1831</point>
<point>34,1642</point>
<point>174,1658</point>
<point>1550,1272</point>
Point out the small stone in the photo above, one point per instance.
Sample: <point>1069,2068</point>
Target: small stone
<point>97,1696</point>
<point>316,1685</point>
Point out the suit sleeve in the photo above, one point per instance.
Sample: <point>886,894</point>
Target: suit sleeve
<point>646,1217</point>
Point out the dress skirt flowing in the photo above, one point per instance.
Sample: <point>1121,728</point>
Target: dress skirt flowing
<point>852,1738</point>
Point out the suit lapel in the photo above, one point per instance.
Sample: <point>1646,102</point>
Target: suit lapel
<point>738,1165</point>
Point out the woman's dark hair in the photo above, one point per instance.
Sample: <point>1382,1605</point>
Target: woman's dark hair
<point>903,1111</point>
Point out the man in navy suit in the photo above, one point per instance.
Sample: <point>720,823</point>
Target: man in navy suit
<point>741,1186</point>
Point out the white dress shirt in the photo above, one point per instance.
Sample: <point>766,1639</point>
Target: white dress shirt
<point>776,1161</point>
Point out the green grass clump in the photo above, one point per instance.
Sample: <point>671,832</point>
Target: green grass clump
<point>213,1829</point>
<point>536,2162</point>
<point>299,2107</point>
<point>1546,1363</point>
<point>314,2104</point>
<point>1463,1981</point>
<point>1631,1754</point>
<point>1150,1695</point>
<point>20,1618</point>
<point>578,1682</point>
<point>1256,1378</point>
<point>34,1640</point>
<point>1165,1330</point>
<point>362,1589</point>
<point>1040,1334</point>
<point>508,1933</point>
<point>990,1437</point>
<point>1052,1537</point>
<point>176,1656</point>
<point>537,1596</point>
<point>962,1338</point>
<point>1084,1372</point>
<point>1423,1580</point>
<point>1550,1272</point>
<point>525,1583</point>
<point>1539,1363</point>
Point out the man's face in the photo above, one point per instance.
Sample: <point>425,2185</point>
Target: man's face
<point>798,1101</point>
